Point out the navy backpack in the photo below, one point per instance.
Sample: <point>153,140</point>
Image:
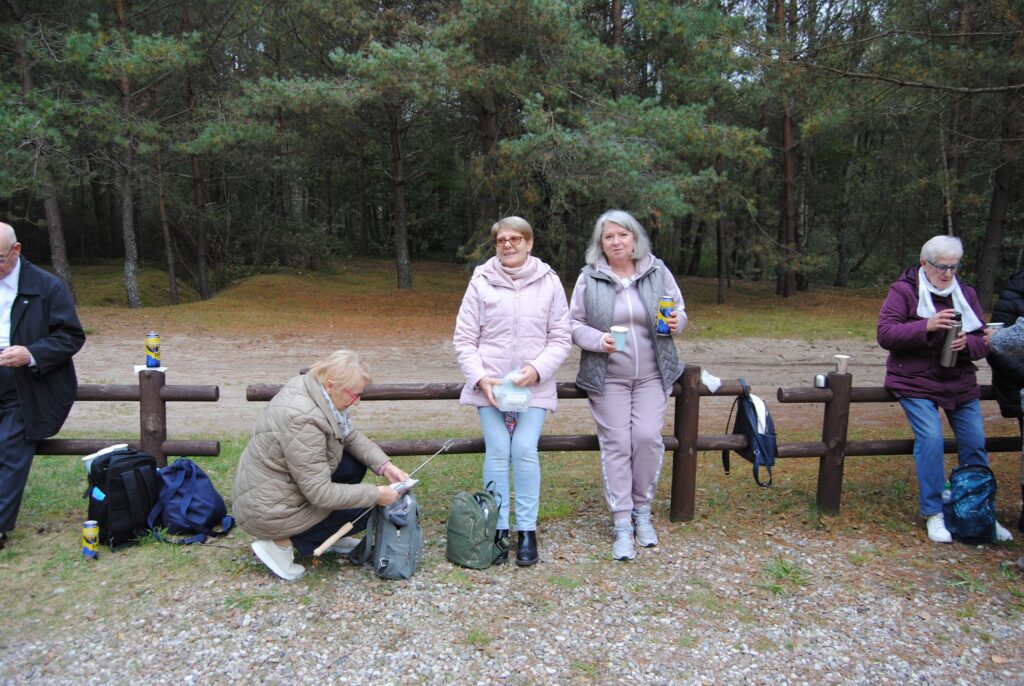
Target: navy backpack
<point>755,422</point>
<point>189,504</point>
<point>970,513</point>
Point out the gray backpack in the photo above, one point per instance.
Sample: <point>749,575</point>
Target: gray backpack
<point>393,540</point>
<point>472,521</point>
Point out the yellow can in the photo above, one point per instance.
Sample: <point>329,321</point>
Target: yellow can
<point>91,539</point>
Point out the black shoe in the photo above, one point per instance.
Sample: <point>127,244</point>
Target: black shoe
<point>526,553</point>
<point>3,540</point>
<point>501,540</point>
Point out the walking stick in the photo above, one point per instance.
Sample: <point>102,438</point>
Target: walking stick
<point>345,528</point>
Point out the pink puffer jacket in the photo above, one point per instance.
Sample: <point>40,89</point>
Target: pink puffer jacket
<point>504,324</point>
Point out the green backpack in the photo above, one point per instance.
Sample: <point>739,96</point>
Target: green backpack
<point>472,521</point>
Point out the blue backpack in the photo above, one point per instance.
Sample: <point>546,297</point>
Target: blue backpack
<point>754,421</point>
<point>189,504</point>
<point>970,512</point>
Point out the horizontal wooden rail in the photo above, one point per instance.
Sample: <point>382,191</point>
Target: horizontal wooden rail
<point>152,393</point>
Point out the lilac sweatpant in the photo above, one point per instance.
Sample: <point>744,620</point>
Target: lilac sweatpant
<point>630,414</point>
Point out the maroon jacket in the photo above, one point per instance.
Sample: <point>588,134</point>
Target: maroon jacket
<point>913,370</point>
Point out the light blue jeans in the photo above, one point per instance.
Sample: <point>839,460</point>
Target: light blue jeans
<point>519,450</point>
<point>929,457</point>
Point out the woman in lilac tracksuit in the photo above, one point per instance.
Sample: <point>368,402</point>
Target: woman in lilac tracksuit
<point>912,326</point>
<point>514,317</point>
<point>621,285</point>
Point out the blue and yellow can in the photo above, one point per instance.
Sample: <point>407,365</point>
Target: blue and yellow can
<point>666,304</point>
<point>91,539</point>
<point>152,349</point>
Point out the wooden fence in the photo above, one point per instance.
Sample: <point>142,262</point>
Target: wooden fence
<point>152,394</point>
<point>685,441</point>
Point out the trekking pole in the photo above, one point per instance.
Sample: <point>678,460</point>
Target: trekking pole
<point>345,528</point>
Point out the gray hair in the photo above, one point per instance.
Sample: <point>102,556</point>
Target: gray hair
<point>7,233</point>
<point>942,246</point>
<point>641,244</point>
<point>342,367</point>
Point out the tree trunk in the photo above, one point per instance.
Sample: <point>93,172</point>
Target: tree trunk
<point>198,180</point>
<point>842,251</point>
<point>1002,184</point>
<point>165,228</point>
<point>54,223</point>
<point>401,235</point>
<point>131,266</point>
<point>786,274</point>
<point>618,71</point>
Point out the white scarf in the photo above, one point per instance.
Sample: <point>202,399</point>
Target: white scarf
<point>344,421</point>
<point>926,308</point>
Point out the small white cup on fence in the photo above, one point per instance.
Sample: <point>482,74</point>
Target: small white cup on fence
<point>842,364</point>
<point>619,334</point>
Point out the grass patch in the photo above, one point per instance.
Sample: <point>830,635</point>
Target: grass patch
<point>782,577</point>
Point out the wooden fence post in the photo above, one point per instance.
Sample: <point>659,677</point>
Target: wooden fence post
<point>833,434</point>
<point>152,415</point>
<point>684,457</point>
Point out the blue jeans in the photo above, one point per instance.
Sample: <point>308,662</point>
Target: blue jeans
<point>929,456</point>
<point>519,450</point>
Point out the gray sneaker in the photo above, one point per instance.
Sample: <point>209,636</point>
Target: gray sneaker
<point>646,536</point>
<point>622,548</point>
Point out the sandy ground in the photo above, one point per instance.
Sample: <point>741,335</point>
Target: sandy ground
<point>232,364</point>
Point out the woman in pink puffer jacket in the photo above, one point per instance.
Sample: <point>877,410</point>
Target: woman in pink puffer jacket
<point>514,318</point>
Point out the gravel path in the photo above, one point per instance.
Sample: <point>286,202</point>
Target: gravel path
<point>702,608</point>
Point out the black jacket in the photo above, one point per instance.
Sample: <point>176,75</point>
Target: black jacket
<point>43,319</point>
<point>1008,371</point>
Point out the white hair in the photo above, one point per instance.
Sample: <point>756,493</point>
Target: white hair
<point>942,246</point>
<point>641,244</point>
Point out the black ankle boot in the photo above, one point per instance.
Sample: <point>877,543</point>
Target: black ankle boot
<point>501,540</point>
<point>526,553</point>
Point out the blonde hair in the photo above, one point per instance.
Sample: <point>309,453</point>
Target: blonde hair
<point>516,224</point>
<point>343,367</point>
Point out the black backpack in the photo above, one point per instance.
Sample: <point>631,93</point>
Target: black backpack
<point>761,445</point>
<point>970,513</point>
<point>123,487</point>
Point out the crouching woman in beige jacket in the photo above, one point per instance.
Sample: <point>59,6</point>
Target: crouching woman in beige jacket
<point>300,477</point>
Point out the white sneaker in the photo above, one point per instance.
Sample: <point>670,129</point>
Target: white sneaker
<point>646,536</point>
<point>1002,535</point>
<point>344,545</point>
<point>622,548</point>
<point>937,531</point>
<point>278,559</point>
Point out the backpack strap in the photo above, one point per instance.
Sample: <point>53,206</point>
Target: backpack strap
<point>134,482</point>
<point>362,552</point>
<point>745,394</point>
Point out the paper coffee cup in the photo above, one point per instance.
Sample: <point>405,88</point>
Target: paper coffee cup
<point>995,326</point>
<point>619,334</point>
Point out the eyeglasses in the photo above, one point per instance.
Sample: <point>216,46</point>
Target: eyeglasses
<point>514,241</point>
<point>3,260</point>
<point>945,267</point>
<point>352,397</point>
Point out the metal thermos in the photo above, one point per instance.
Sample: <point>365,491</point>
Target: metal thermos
<point>948,358</point>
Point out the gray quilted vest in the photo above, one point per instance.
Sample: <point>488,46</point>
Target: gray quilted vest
<point>600,297</point>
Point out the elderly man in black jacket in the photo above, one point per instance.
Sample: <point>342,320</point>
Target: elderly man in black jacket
<point>1008,370</point>
<point>39,333</point>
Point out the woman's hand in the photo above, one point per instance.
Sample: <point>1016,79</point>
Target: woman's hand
<point>387,495</point>
<point>941,321</point>
<point>959,343</point>
<point>528,376</point>
<point>487,385</point>
<point>393,474</point>
<point>607,343</point>
<point>673,321</point>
